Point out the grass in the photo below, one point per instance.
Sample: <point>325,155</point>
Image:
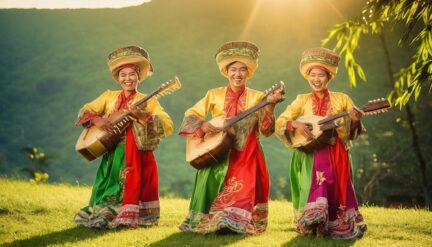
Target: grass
<point>41,215</point>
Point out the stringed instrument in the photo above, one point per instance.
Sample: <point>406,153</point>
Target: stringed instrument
<point>214,148</point>
<point>95,142</point>
<point>322,128</point>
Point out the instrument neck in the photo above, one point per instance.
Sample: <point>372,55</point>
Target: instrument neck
<point>145,99</point>
<point>127,118</point>
<point>332,117</point>
<point>246,113</point>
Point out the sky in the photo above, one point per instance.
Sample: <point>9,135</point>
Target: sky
<point>69,4</point>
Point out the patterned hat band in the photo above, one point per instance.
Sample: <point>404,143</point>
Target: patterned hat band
<point>242,52</point>
<point>319,59</point>
<point>126,52</point>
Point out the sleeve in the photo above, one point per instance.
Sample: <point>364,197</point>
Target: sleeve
<point>158,124</point>
<point>92,111</point>
<point>266,121</point>
<point>194,117</point>
<point>283,123</point>
<point>353,129</point>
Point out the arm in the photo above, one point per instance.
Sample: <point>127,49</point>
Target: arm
<point>155,120</point>
<point>354,127</point>
<point>194,117</point>
<point>284,123</point>
<point>266,121</point>
<point>93,111</point>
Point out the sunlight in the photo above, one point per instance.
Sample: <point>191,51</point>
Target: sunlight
<point>273,11</point>
<point>251,18</point>
<point>69,4</point>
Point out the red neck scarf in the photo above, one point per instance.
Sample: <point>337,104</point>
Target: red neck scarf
<point>321,106</point>
<point>123,102</point>
<point>235,101</point>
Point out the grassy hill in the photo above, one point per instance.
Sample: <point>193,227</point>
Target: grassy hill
<point>41,215</point>
<point>54,61</point>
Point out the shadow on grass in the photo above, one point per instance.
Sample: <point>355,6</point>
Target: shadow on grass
<point>314,241</point>
<point>193,239</point>
<point>71,235</point>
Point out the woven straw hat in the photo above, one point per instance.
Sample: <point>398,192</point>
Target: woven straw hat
<point>130,55</point>
<point>237,51</point>
<point>321,57</point>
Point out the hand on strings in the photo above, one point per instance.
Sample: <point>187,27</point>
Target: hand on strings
<point>138,112</point>
<point>208,128</point>
<point>303,128</point>
<point>355,114</point>
<point>103,123</point>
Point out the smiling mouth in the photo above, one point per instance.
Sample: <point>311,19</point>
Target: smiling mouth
<point>128,83</point>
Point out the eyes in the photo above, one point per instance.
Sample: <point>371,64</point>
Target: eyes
<point>320,75</point>
<point>128,74</point>
<point>233,69</point>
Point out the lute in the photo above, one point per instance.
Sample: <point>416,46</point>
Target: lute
<point>212,149</point>
<point>95,142</point>
<point>322,127</point>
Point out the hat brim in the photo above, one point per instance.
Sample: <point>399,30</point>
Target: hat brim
<point>304,69</point>
<point>251,64</point>
<point>144,65</point>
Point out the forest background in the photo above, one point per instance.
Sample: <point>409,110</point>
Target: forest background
<point>54,61</point>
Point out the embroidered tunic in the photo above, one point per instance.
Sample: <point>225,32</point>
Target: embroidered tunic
<point>234,193</point>
<point>125,191</point>
<point>322,192</point>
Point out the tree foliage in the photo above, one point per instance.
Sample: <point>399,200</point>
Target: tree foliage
<point>39,162</point>
<point>416,18</point>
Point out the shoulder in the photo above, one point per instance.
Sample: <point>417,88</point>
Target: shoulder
<point>110,94</point>
<point>340,95</point>
<point>303,97</point>
<point>140,95</point>
<point>216,92</point>
<point>255,93</point>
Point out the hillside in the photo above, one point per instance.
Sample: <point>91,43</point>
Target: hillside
<point>54,61</point>
<point>41,215</point>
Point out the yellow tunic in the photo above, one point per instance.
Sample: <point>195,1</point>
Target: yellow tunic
<point>302,106</point>
<point>147,137</point>
<point>214,103</point>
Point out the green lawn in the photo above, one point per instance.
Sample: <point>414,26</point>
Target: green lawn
<point>41,215</point>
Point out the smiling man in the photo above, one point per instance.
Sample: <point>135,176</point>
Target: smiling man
<point>232,195</point>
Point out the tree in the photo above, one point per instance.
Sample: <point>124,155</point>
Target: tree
<point>415,18</point>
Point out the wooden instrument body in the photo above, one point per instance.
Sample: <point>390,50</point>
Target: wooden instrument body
<point>211,149</point>
<point>321,136</point>
<point>322,128</point>
<point>95,142</point>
